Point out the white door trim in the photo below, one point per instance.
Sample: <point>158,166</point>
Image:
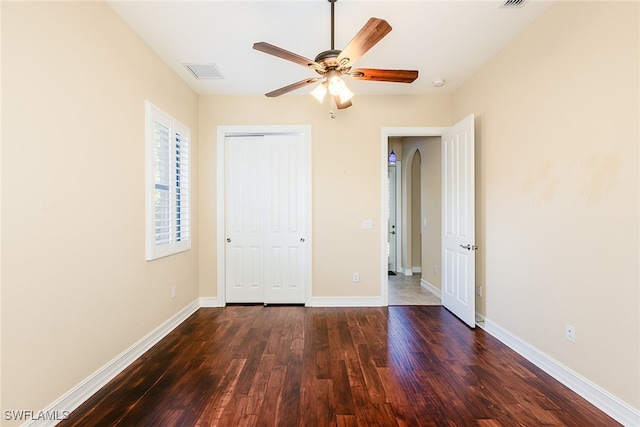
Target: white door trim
<point>385,134</point>
<point>227,131</point>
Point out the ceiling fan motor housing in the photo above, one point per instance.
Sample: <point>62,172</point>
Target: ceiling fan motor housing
<point>328,58</point>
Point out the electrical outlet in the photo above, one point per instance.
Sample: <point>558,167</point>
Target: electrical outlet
<point>571,333</point>
<point>356,277</point>
<point>174,292</point>
<point>435,270</point>
<point>479,291</point>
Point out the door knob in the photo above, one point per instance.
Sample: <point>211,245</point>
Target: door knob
<point>228,239</point>
<point>302,239</point>
<point>393,232</point>
<point>469,247</point>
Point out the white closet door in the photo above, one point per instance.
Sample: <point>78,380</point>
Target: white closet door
<point>266,218</point>
<point>286,219</point>
<point>244,225</point>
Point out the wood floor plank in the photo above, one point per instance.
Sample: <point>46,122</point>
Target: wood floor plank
<point>250,368</point>
<point>372,382</point>
<point>321,339</point>
<point>223,393</point>
<point>342,389</point>
<point>401,403</point>
<point>325,403</point>
<point>295,366</point>
<point>288,409</point>
<point>308,406</point>
<point>257,392</point>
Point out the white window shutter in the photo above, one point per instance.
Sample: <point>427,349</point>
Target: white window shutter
<point>168,185</point>
<point>182,185</point>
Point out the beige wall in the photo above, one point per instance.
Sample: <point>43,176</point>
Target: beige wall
<point>431,210</point>
<point>557,170</point>
<point>345,173</point>
<point>76,290</point>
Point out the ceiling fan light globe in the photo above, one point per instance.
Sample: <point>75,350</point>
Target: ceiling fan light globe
<point>345,95</point>
<point>319,92</point>
<point>336,85</point>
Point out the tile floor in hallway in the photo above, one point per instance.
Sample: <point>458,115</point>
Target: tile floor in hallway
<point>406,290</point>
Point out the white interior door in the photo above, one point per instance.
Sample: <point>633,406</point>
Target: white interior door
<point>244,226</point>
<point>285,216</point>
<point>458,220</point>
<point>392,237</point>
<point>266,214</point>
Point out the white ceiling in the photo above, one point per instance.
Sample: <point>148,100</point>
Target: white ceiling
<point>444,39</point>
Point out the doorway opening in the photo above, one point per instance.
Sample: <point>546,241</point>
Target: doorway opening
<point>457,247</point>
<point>418,218</point>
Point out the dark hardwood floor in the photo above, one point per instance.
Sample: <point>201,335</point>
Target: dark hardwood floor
<point>296,366</point>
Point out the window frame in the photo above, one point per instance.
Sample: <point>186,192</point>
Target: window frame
<point>175,168</point>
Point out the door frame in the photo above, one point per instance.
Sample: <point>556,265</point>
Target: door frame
<point>222,133</point>
<point>385,134</point>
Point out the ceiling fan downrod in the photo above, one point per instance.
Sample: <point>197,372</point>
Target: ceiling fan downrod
<point>332,24</point>
<point>328,58</point>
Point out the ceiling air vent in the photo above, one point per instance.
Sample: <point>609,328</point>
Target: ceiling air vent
<point>204,71</point>
<point>513,3</point>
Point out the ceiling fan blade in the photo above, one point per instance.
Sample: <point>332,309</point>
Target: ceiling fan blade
<point>372,32</point>
<point>342,105</point>
<point>375,74</point>
<point>289,56</point>
<point>292,87</point>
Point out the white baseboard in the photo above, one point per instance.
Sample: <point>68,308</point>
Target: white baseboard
<point>597,396</point>
<point>416,270</point>
<point>83,391</point>
<point>210,302</point>
<point>346,302</point>
<point>407,272</point>
<point>428,286</point>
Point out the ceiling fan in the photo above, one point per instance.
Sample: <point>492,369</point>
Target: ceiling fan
<point>331,64</point>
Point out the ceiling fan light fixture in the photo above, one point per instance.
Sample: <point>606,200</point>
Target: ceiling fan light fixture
<point>345,95</point>
<point>319,92</point>
<point>332,64</point>
<point>336,84</point>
